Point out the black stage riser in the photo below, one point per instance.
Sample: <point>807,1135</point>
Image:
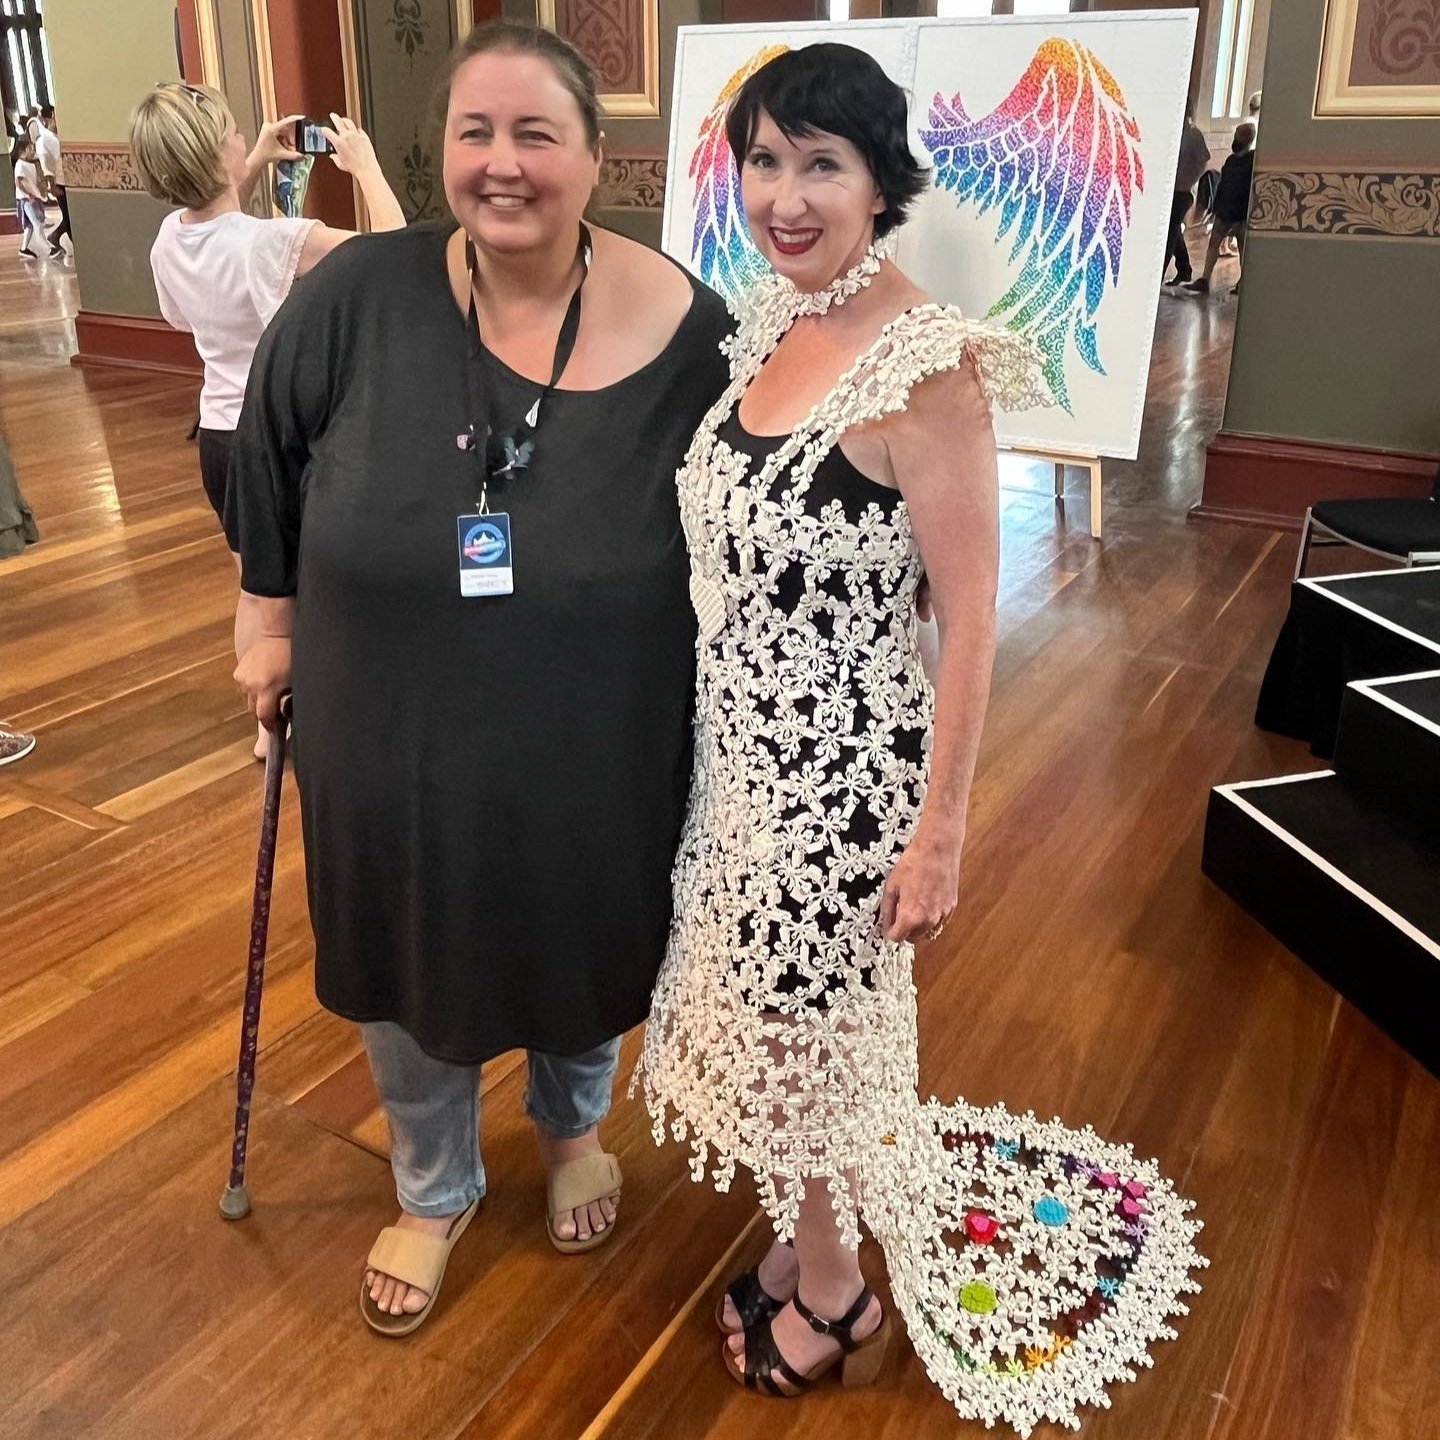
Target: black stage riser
<point>1324,645</point>
<point>1391,762</point>
<point>1375,965</point>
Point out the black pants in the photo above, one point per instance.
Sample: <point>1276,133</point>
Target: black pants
<point>1176,248</point>
<point>215,451</point>
<point>63,228</point>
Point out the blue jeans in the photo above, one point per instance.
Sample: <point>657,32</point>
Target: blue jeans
<point>434,1112</point>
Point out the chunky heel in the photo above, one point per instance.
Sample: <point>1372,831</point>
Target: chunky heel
<point>859,1361</point>
<point>861,1366</point>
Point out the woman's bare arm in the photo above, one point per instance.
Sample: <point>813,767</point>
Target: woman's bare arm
<point>942,456</point>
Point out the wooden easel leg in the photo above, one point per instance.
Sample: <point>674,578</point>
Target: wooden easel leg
<point>1096,500</point>
<point>1060,481</point>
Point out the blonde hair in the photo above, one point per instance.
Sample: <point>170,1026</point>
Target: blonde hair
<point>175,136</point>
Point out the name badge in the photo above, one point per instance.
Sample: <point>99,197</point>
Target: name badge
<point>486,561</point>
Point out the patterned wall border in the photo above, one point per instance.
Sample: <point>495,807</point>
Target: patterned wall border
<point>1403,204</point>
<point>627,182</point>
<point>96,165</point>
<point>631,182</point>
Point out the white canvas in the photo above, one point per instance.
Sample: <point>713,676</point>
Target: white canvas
<point>1125,75</point>
<point>1009,151</point>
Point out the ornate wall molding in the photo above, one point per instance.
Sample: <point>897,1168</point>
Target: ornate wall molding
<point>1403,204</point>
<point>631,182</point>
<point>96,165</point>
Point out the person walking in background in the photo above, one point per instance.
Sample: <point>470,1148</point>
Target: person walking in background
<point>52,164</point>
<point>1194,157</point>
<point>29,200</point>
<point>1232,204</point>
<point>16,135</point>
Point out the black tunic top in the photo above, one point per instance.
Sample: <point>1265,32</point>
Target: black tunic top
<point>492,788</point>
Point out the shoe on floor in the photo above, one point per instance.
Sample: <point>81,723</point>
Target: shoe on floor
<point>14,745</point>
<point>574,1184</point>
<point>417,1259</point>
<point>1198,287</point>
<point>57,252</point>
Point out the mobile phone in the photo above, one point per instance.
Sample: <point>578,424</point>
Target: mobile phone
<point>310,138</point>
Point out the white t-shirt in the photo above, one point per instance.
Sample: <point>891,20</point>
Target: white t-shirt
<point>47,151</point>
<point>26,170</point>
<point>223,280</point>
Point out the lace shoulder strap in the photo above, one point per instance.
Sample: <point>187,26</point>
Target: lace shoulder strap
<point>763,316</point>
<point>926,341</point>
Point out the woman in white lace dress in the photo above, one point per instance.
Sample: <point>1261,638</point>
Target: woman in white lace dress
<point>851,454</point>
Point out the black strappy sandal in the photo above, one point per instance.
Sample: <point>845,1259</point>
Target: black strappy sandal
<point>752,1301</point>
<point>859,1360</point>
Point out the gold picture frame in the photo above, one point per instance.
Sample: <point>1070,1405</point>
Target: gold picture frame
<point>1337,93</point>
<point>630,105</point>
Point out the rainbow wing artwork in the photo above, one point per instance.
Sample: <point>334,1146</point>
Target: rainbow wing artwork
<point>721,249</point>
<point>1059,159</point>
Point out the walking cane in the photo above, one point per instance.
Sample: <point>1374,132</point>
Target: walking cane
<point>235,1202</point>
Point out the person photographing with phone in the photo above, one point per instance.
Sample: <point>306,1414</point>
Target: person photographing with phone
<point>222,273</point>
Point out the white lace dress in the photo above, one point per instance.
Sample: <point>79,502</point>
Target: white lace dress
<point>782,1035</point>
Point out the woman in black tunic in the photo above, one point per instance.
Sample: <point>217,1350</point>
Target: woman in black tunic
<point>492,745</point>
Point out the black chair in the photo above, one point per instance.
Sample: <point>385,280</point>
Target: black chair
<point>1407,531</point>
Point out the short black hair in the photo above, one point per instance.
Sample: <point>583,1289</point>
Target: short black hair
<point>47,112</point>
<point>837,90</point>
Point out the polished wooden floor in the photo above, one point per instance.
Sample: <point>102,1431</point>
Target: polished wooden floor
<point>1091,973</point>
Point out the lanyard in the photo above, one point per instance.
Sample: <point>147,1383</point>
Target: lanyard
<point>506,453</point>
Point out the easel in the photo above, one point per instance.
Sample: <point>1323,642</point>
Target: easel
<point>1060,459</point>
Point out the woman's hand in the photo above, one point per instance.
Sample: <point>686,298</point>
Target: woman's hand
<point>264,675</point>
<point>276,141</point>
<point>922,889</point>
<point>354,154</point>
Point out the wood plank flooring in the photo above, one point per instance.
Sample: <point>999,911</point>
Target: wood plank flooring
<point>1091,972</point>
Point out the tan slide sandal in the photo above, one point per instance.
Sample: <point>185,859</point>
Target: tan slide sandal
<point>416,1259</point>
<point>574,1184</point>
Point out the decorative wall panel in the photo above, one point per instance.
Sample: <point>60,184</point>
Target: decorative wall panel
<point>631,182</point>
<point>396,50</point>
<point>1331,202</point>
<point>92,165</point>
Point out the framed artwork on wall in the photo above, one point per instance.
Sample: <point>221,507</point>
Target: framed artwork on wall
<point>621,40</point>
<point>1380,58</point>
